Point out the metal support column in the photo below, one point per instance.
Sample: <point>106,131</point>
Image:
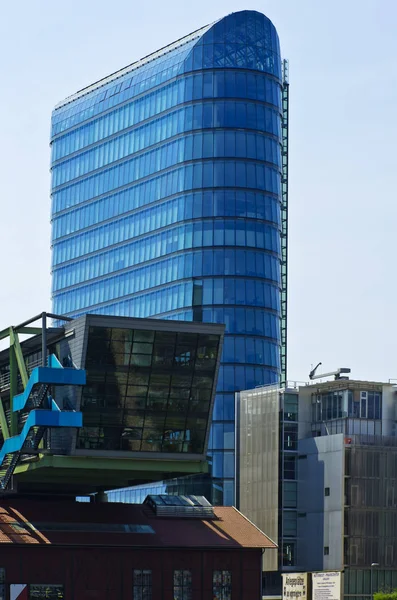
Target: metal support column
<point>44,339</point>
<point>284,222</point>
<point>13,390</point>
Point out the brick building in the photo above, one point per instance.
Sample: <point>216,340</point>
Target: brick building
<point>169,548</point>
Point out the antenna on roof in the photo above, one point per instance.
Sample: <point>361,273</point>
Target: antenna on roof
<point>337,374</point>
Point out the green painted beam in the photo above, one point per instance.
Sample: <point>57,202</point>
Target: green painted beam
<point>4,333</point>
<point>3,422</point>
<point>13,390</point>
<point>79,475</point>
<point>14,342</point>
<point>149,467</point>
<point>29,330</point>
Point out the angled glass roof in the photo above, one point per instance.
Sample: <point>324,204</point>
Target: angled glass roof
<point>167,500</point>
<point>175,53</point>
<point>180,506</point>
<point>246,40</point>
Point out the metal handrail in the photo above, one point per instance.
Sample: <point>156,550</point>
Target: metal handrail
<point>5,377</point>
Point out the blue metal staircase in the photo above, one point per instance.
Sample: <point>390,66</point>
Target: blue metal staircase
<point>40,413</point>
<point>46,376</point>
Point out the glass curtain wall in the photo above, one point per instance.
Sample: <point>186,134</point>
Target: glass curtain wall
<point>147,391</point>
<point>166,201</point>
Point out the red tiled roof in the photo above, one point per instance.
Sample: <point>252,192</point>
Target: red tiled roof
<point>229,529</point>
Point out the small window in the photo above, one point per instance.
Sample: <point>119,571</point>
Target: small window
<point>289,554</point>
<point>326,491</point>
<point>289,494</point>
<point>326,550</point>
<point>290,437</point>
<point>182,584</point>
<point>222,585</point>
<point>289,467</point>
<point>289,523</point>
<point>2,584</point>
<point>142,584</point>
<point>53,592</point>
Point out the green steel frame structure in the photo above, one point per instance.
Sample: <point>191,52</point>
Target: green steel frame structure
<point>33,371</point>
<point>17,363</point>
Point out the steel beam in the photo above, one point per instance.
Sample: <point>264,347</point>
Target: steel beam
<point>3,422</point>
<point>28,330</point>
<point>13,390</point>
<point>14,342</point>
<point>123,465</point>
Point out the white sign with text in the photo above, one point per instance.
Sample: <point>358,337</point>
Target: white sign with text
<point>326,586</point>
<point>295,586</point>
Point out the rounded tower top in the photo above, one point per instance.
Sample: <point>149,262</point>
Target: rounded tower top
<point>245,40</point>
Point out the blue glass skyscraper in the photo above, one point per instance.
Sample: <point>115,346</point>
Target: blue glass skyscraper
<point>169,199</point>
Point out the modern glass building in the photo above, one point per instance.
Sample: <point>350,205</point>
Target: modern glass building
<point>102,403</point>
<point>169,199</point>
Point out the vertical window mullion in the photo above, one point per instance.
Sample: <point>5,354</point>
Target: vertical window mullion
<point>222,585</point>
<point>142,584</point>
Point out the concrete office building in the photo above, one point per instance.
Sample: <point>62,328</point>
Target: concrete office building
<point>169,199</point>
<point>317,469</point>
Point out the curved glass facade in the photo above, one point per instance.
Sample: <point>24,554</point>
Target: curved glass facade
<point>167,182</point>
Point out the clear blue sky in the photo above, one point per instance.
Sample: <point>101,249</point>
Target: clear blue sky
<point>343,209</point>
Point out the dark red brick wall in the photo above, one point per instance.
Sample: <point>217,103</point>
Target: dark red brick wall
<point>106,573</point>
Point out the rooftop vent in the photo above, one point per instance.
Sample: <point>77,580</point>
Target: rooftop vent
<point>196,507</point>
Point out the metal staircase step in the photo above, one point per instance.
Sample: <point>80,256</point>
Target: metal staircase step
<point>5,480</point>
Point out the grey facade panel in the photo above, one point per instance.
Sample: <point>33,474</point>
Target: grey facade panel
<point>258,462</point>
